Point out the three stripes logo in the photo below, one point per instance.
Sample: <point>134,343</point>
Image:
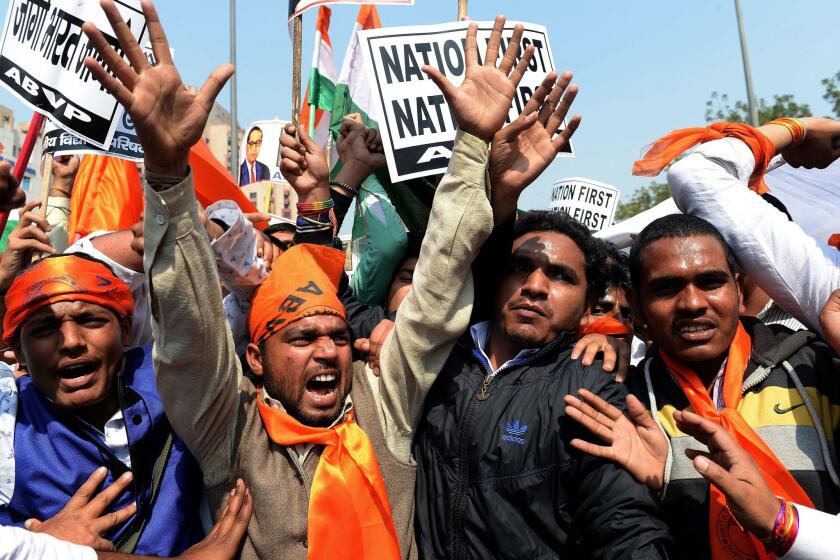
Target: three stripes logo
<point>514,432</point>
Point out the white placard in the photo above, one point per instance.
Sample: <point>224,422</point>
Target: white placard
<point>42,55</point>
<point>260,152</point>
<point>418,129</point>
<point>592,203</point>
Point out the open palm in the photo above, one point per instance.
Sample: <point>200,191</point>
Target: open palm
<point>633,440</point>
<point>482,102</point>
<point>168,117</point>
<point>521,151</point>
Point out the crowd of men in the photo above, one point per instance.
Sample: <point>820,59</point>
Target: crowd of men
<point>197,388</point>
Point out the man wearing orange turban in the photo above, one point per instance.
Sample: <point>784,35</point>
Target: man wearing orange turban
<point>87,402</point>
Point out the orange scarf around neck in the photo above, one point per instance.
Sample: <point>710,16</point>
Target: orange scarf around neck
<point>728,539</point>
<point>349,513</point>
<point>667,148</point>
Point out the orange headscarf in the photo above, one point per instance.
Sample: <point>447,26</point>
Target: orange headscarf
<point>607,326</point>
<point>63,278</point>
<point>304,282</point>
<point>727,538</point>
<point>664,150</point>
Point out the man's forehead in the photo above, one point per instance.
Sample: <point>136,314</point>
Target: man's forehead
<point>677,255</point>
<point>61,308</point>
<point>549,247</point>
<point>322,322</point>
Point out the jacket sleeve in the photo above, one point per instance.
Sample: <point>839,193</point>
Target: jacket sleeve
<point>361,318</point>
<point>437,309</point>
<point>197,369</point>
<point>614,516</point>
<point>785,262</point>
<point>380,234</point>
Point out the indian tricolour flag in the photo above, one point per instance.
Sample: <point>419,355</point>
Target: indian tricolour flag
<point>297,7</point>
<point>318,101</point>
<point>353,93</point>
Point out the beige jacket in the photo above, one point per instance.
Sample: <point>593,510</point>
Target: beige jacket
<point>199,375</point>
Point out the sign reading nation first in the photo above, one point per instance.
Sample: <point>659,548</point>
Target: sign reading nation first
<point>417,127</point>
<point>42,55</point>
<point>591,203</point>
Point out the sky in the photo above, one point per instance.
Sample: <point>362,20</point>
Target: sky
<point>644,67</point>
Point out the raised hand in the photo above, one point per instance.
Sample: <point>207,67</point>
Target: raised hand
<point>729,467</point>
<point>11,195</point>
<point>360,151</point>
<point>168,117</point>
<point>28,238</point>
<point>521,151</point>
<point>304,165</point>
<point>83,520</point>
<point>482,103</point>
<point>633,440</point>
<point>64,169</point>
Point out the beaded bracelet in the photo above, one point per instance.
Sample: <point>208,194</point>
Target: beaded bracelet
<point>314,207</point>
<point>344,186</point>
<point>796,127</point>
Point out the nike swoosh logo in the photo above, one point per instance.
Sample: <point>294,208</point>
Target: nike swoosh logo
<point>779,410</point>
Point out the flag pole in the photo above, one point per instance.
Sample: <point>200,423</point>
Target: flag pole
<point>46,179</point>
<point>19,171</point>
<point>462,9</point>
<point>234,126</point>
<point>296,69</point>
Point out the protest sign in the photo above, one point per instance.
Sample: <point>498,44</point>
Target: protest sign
<point>259,153</point>
<point>42,55</point>
<point>124,145</point>
<point>418,129</point>
<point>591,203</point>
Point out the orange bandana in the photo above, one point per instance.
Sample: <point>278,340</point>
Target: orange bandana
<point>304,282</point>
<point>607,326</point>
<point>349,513</point>
<point>728,539</point>
<point>664,150</point>
<point>63,278</point>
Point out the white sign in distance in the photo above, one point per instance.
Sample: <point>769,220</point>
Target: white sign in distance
<point>417,127</point>
<point>260,152</point>
<point>42,56</point>
<point>590,202</point>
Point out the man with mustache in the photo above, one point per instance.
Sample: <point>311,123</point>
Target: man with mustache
<point>774,391</point>
<point>496,475</point>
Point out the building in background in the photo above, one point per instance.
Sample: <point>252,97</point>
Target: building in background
<point>11,139</point>
<point>278,198</point>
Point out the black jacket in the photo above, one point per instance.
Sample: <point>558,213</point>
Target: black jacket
<point>497,478</point>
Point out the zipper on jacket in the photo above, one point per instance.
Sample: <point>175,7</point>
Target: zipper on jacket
<point>481,395</point>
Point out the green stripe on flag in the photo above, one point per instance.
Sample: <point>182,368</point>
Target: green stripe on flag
<point>321,91</point>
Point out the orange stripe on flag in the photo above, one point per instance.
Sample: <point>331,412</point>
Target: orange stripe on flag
<point>213,182</point>
<point>322,24</point>
<point>368,17</point>
<point>107,195</point>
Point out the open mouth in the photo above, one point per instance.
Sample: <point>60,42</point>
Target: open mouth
<point>696,332</point>
<point>323,389</point>
<point>78,374</point>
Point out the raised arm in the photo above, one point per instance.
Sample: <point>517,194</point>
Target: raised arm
<point>437,310</point>
<point>785,262</point>
<point>195,361</point>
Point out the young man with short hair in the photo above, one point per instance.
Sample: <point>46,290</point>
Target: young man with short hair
<point>774,391</point>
